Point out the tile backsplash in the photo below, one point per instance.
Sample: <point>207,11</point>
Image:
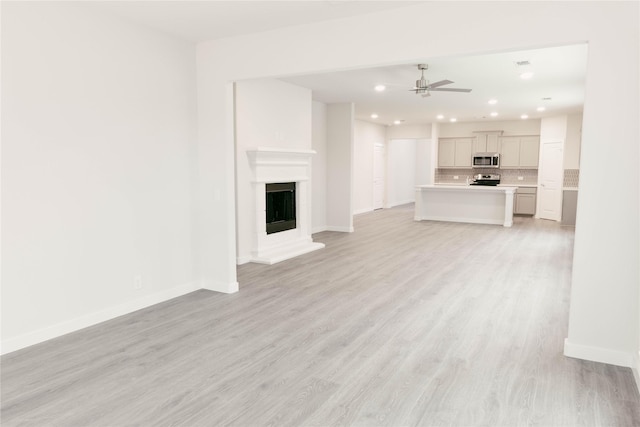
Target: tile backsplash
<point>507,176</point>
<point>571,178</point>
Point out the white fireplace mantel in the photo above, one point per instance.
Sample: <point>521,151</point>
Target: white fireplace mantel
<point>273,165</point>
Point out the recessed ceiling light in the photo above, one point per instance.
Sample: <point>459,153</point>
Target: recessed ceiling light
<point>397,122</point>
<point>493,101</point>
<point>526,75</point>
<point>494,114</point>
<point>453,119</point>
<point>547,98</point>
<point>540,109</point>
<point>380,88</point>
<point>374,116</point>
<point>440,117</point>
<point>524,116</point>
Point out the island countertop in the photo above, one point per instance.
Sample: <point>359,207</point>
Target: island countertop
<point>493,188</point>
<point>465,203</point>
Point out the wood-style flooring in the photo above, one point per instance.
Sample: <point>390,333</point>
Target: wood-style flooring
<point>401,323</point>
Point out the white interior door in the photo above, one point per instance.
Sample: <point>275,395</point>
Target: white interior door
<point>378,177</point>
<point>550,180</point>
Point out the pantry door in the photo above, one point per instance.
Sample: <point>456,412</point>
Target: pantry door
<point>551,178</point>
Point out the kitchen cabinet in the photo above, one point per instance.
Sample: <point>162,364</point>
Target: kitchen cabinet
<point>525,201</point>
<point>455,152</point>
<point>529,151</point>
<point>519,152</point>
<point>487,142</point>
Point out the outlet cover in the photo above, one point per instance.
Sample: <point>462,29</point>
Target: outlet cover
<point>137,281</point>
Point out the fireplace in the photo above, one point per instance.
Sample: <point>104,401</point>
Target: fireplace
<point>281,188</point>
<point>281,206</point>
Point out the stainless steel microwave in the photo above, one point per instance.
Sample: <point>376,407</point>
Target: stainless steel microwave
<point>486,160</point>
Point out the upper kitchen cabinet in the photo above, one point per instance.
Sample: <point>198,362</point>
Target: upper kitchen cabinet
<point>519,152</point>
<point>455,152</point>
<point>487,141</point>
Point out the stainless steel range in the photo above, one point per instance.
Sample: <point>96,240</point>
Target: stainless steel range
<point>480,179</point>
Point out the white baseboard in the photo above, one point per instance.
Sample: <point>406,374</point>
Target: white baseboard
<point>400,202</point>
<point>340,229</point>
<point>465,220</point>
<point>361,211</point>
<point>242,260</point>
<point>319,229</point>
<point>35,337</point>
<point>599,354</point>
<point>225,288</point>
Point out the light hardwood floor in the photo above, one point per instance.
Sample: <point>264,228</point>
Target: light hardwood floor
<point>399,323</point>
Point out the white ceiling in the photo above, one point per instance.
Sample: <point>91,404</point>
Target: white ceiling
<point>559,74</point>
<point>559,71</point>
<point>203,20</point>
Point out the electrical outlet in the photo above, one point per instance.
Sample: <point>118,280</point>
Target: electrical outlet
<point>137,281</point>
<point>456,177</point>
<point>521,178</point>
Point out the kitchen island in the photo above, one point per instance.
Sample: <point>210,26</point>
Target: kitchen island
<point>465,203</point>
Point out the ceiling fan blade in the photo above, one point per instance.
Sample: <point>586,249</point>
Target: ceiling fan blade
<point>444,89</point>
<point>440,83</point>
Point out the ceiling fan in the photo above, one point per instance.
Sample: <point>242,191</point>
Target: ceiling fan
<point>423,87</point>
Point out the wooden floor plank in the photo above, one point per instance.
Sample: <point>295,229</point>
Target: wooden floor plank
<point>399,323</point>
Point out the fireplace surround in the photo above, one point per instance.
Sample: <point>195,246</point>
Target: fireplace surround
<point>291,168</point>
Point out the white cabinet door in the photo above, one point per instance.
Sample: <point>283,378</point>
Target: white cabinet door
<point>464,151</point>
<point>519,152</point>
<point>446,153</point>
<point>526,204</point>
<point>510,153</point>
<point>480,143</point>
<point>492,145</point>
<point>525,201</point>
<point>529,151</point>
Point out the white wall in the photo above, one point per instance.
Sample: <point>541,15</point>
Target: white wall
<point>340,167</point>
<point>319,167</point>
<point>510,127</point>
<point>409,131</point>
<point>401,172</point>
<point>366,135</point>
<point>425,161</point>
<point>573,141</point>
<point>269,113</point>
<point>98,164</point>
<point>605,301</point>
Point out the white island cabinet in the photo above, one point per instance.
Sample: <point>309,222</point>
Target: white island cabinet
<point>465,203</point>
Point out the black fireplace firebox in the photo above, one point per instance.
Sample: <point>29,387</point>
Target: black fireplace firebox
<point>281,207</point>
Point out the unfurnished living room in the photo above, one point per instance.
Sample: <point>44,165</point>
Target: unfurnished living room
<point>320,213</point>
